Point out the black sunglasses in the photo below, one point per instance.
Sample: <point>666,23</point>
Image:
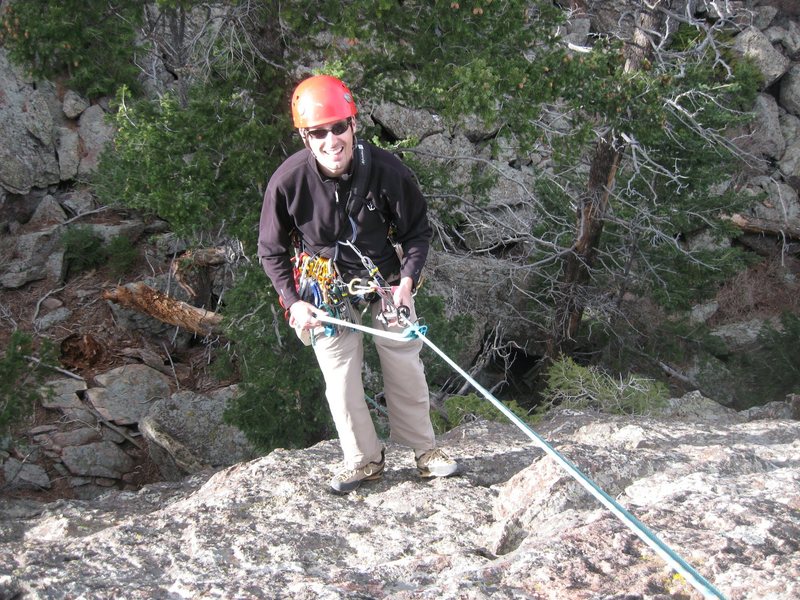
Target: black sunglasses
<point>336,129</point>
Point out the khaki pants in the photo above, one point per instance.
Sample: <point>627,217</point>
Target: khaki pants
<point>341,359</point>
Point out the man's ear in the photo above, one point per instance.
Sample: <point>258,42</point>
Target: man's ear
<point>355,124</point>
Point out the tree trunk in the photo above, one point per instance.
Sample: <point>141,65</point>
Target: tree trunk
<point>592,207</point>
<point>192,271</point>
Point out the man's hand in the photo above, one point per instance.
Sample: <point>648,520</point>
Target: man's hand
<point>303,315</point>
<point>402,294</point>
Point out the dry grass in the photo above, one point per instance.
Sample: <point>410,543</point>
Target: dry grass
<point>767,289</point>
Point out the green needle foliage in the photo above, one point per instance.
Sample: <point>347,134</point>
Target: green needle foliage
<point>83,249</point>
<point>88,42</point>
<point>573,386</point>
<point>283,399</point>
<point>771,370</point>
<point>21,376</point>
<point>200,167</point>
<point>462,409</point>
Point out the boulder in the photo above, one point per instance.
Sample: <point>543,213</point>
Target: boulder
<point>27,154</point>
<point>125,394</point>
<point>94,133</point>
<point>25,476</point>
<point>186,433</point>
<point>790,91</point>
<point>98,459</point>
<point>402,123</point>
<point>764,138</point>
<point>754,44</point>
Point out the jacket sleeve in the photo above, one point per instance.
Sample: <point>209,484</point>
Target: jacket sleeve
<point>275,243</point>
<point>413,231</point>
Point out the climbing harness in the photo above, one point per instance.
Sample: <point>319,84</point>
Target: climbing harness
<point>414,331</point>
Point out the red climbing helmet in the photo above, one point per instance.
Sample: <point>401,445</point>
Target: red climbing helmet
<point>321,99</point>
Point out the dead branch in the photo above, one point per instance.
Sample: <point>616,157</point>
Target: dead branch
<point>42,299</point>
<point>205,257</point>
<point>191,271</point>
<point>144,299</point>
<point>38,361</point>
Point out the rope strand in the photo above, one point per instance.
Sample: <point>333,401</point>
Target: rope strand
<point>637,527</point>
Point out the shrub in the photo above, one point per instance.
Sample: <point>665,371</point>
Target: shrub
<point>202,166</point>
<point>90,42</point>
<point>122,254</point>
<point>573,386</point>
<point>20,382</point>
<point>283,400</point>
<point>461,409</point>
<point>771,370</point>
<point>83,249</point>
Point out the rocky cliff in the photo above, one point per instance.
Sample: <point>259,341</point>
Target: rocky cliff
<point>720,488</point>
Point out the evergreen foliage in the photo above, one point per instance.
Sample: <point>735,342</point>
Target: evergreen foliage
<point>572,386</point>
<point>462,409</point>
<point>20,378</point>
<point>202,179</point>
<point>83,249</point>
<point>122,254</point>
<point>770,371</point>
<point>89,42</point>
<point>283,398</point>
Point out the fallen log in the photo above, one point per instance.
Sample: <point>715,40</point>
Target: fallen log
<point>144,299</point>
<point>764,226</point>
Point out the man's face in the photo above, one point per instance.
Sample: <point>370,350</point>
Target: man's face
<point>333,150</point>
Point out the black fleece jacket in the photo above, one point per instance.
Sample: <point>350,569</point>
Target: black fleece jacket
<point>299,198</point>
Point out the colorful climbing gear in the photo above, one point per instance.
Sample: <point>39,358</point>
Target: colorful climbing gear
<point>319,284</point>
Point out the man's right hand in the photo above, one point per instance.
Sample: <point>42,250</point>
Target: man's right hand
<point>303,315</point>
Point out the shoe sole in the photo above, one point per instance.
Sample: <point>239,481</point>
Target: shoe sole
<point>426,473</point>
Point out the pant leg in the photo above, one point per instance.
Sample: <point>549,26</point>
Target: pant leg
<point>340,359</point>
<point>405,388</point>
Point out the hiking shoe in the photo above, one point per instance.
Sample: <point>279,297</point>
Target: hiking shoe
<point>436,463</point>
<point>347,480</point>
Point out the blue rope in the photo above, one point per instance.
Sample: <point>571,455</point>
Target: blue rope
<point>642,531</point>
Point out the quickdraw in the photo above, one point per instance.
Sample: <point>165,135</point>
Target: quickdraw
<point>319,284</point>
<point>376,285</point>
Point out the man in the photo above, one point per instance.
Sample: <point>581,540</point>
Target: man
<point>312,196</point>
